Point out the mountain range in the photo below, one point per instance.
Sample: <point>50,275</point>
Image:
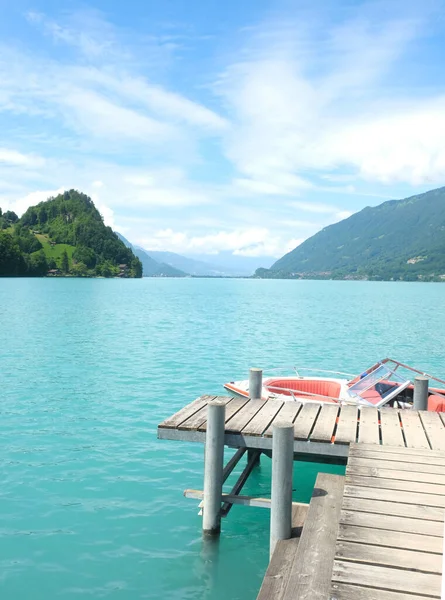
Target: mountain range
<point>397,240</point>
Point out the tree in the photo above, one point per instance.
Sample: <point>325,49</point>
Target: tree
<point>79,269</point>
<point>11,260</point>
<point>10,215</point>
<point>85,255</point>
<point>37,265</point>
<point>65,263</point>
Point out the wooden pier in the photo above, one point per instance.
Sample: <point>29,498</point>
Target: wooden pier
<point>375,534</point>
<point>324,430</point>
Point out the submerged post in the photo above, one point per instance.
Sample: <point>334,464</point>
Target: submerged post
<point>421,393</point>
<point>255,384</point>
<point>282,471</point>
<point>213,467</point>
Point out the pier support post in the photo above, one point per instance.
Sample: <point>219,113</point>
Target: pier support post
<point>282,472</point>
<point>213,467</point>
<point>255,384</point>
<point>421,393</point>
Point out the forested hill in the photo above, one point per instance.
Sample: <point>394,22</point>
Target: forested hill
<point>64,235</point>
<point>399,239</point>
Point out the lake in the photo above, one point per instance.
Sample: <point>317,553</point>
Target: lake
<point>91,502</point>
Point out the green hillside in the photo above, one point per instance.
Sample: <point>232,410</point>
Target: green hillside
<point>399,239</point>
<point>65,236</point>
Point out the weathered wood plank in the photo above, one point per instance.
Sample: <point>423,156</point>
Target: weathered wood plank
<point>237,423</point>
<point>390,539</point>
<point>275,580</point>
<point>287,414</point>
<point>396,474</point>
<point>398,558</point>
<point>391,429</point>
<point>305,420</point>
<point>200,417</point>
<point>263,418</point>
<point>391,523</point>
<point>396,580</point>
<point>412,467</point>
<point>232,408</point>
<point>423,459</point>
<point>344,591</point>
<point>396,484</point>
<point>368,430</point>
<point>413,430</point>
<point>414,511</point>
<point>401,497</point>
<point>347,425</point>
<point>384,449</point>
<point>434,429</point>
<point>324,428</point>
<point>186,412</point>
<point>310,574</point>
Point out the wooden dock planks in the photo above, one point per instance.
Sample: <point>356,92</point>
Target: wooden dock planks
<point>309,576</point>
<point>390,542</point>
<point>368,431</point>
<point>324,426</point>
<point>275,580</point>
<point>391,429</point>
<point>347,425</point>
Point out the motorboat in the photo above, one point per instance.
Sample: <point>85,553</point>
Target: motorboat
<point>388,383</point>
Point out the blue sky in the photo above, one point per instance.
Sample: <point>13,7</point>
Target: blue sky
<point>208,126</point>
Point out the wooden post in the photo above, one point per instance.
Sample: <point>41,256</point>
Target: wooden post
<point>420,393</point>
<point>282,472</point>
<point>255,384</point>
<point>213,467</point>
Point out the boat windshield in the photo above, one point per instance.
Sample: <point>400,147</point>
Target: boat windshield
<point>379,386</point>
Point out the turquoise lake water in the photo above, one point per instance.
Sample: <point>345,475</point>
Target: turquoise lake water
<point>91,503</point>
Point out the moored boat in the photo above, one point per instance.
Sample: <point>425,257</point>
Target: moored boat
<point>388,383</point>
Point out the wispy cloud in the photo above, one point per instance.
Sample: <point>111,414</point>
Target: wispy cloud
<point>315,101</point>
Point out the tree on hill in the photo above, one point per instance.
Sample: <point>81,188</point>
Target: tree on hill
<point>12,263</point>
<point>64,262</point>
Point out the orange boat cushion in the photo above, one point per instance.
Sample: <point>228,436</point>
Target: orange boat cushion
<point>436,403</point>
<point>311,386</point>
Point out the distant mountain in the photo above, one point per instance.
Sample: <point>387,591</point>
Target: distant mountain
<point>150,266</point>
<point>399,239</point>
<point>190,265</point>
<point>223,264</point>
<point>234,265</point>
<point>63,236</point>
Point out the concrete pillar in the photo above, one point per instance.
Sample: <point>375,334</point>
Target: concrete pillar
<point>213,467</point>
<point>420,393</point>
<point>282,472</point>
<point>255,384</point>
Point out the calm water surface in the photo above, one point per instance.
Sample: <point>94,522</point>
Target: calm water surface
<point>91,502</point>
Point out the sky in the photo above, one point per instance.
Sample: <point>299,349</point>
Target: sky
<point>203,126</point>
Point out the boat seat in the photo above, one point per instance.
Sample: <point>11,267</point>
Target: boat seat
<point>310,386</point>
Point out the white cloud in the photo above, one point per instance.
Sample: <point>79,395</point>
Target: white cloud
<point>12,157</point>
<point>312,102</point>
<point>255,241</point>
